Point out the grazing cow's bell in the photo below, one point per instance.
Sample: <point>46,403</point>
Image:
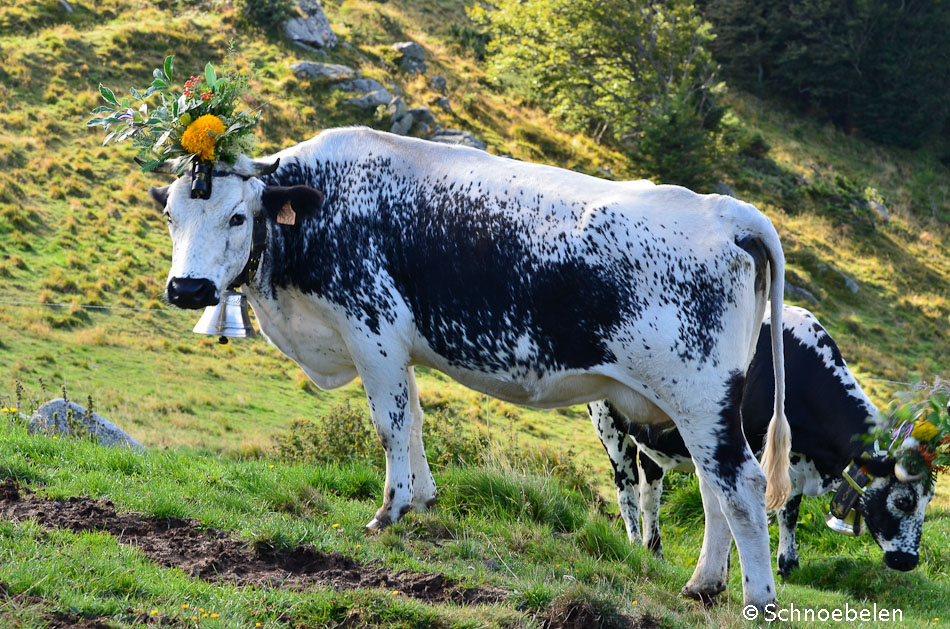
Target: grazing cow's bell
<point>843,515</point>
<point>229,318</point>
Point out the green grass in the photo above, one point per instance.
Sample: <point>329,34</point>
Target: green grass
<point>546,541</point>
<point>77,227</point>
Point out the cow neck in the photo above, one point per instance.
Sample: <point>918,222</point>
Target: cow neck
<point>258,244</point>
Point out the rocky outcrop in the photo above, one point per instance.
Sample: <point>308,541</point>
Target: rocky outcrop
<point>328,71</point>
<point>457,136</point>
<point>412,57</point>
<point>68,418</point>
<point>311,29</point>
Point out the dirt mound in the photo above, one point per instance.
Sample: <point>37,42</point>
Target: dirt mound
<point>212,555</point>
<point>578,614</point>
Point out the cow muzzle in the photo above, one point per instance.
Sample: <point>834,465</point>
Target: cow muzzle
<point>899,560</point>
<point>191,293</point>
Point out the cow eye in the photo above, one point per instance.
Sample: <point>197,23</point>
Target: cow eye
<point>167,216</point>
<point>237,219</point>
<point>903,503</point>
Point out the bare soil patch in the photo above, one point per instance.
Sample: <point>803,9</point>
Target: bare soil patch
<point>584,615</point>
<point>214,556</point>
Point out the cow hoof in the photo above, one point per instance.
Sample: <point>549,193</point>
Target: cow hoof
<point>785,566</point>
<point>706,595</point>
<point>375,525</point>
<point>422,506</point>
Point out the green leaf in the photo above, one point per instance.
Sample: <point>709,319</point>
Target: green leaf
<point>210,75</point>
<point>169,66</point>
<point>135,94</point>
<point>102,109</point>
<point>107,94</point>
<point>108,137</point>
<point>156,73</point>
<point>159,84</point>
<point>161,140</point>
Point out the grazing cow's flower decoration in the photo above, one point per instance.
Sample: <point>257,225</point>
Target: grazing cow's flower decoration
<point>196,124</point>
<point>918,437</point>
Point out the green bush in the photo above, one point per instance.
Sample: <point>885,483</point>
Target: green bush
<point>874,68</point>
<point>265,14</point>
<point>638,74</point>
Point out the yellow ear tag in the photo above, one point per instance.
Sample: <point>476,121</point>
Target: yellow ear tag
<point>287,216</point>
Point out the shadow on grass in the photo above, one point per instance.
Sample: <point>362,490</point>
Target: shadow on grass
<point>867,579</point>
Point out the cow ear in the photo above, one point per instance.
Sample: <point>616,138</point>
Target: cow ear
<point>289,205</point>
<point>159,195</point>
<point>878,467</point>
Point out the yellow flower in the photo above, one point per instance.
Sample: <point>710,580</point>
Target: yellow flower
<point>196,138</point>
<point>185,606</point>
<point>214,615</point>
<point>154,612</point>
<point>924,431</point>
<point>336,525</point>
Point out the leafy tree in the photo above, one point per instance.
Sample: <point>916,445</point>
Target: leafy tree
<point>616,68</point>
<point>876,67</point>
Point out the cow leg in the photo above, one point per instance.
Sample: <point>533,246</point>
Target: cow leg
<point>387,389</point>
<point>728,469</point>
<point>712,567</point>
<point>622,453</point>
<point>423,485</point>
<point>787,520</point>
<point>651,489</point>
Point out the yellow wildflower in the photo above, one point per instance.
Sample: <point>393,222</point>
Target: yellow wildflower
<point>196,138</point>
<point>184,606</point>
<point>924,431</point>
<point>214,615</point>
<point>154,612</point>
<point>336,525</point>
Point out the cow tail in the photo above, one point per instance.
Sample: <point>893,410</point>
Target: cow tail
<point>778,439</point>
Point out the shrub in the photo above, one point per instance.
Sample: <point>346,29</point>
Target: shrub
<point>616,69</point>
<point>265,14</point>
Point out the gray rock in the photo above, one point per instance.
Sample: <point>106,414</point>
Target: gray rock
<point>880,209</point>
<point>721,188</point>
<point>371,100</point>
<point>331,71</point>
<point>439,84</point>
<point>849,283</point>
<point>397,108</point>
<point>401,126</point>
<point>457,136</point>
<point>312,28</point>
<point>444,103</point>
<point>412,56</point>
<point>54,417</point>
<point>360,85</point>
<point>800,293</point>
<point>423,116</point>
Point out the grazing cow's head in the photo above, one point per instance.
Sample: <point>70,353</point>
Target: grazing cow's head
<point>211,238</point>
<point>893,506</point>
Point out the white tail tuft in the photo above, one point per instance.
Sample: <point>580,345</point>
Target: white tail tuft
<point>778,439</point>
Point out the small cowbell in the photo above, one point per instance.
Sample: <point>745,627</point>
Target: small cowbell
<point>843,514</point>
<point>229,318</point>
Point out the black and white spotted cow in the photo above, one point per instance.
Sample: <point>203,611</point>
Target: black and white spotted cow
<point>533,284</point>
<point>827,411</point>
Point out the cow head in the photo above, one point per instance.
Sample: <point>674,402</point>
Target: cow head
<point>212,238</point>
<point>893,507</point>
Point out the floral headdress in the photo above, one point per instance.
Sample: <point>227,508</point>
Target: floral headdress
<point>197,124</point>
<point>917,435</point>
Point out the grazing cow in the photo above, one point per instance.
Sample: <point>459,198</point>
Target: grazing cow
<point>827,411</point>
<point>533,284</point>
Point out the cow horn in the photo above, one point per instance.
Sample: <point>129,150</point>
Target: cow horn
<point>247,167</point>
<point>904,476</point>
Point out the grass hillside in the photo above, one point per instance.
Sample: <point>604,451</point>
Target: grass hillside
<point>77,229</point>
